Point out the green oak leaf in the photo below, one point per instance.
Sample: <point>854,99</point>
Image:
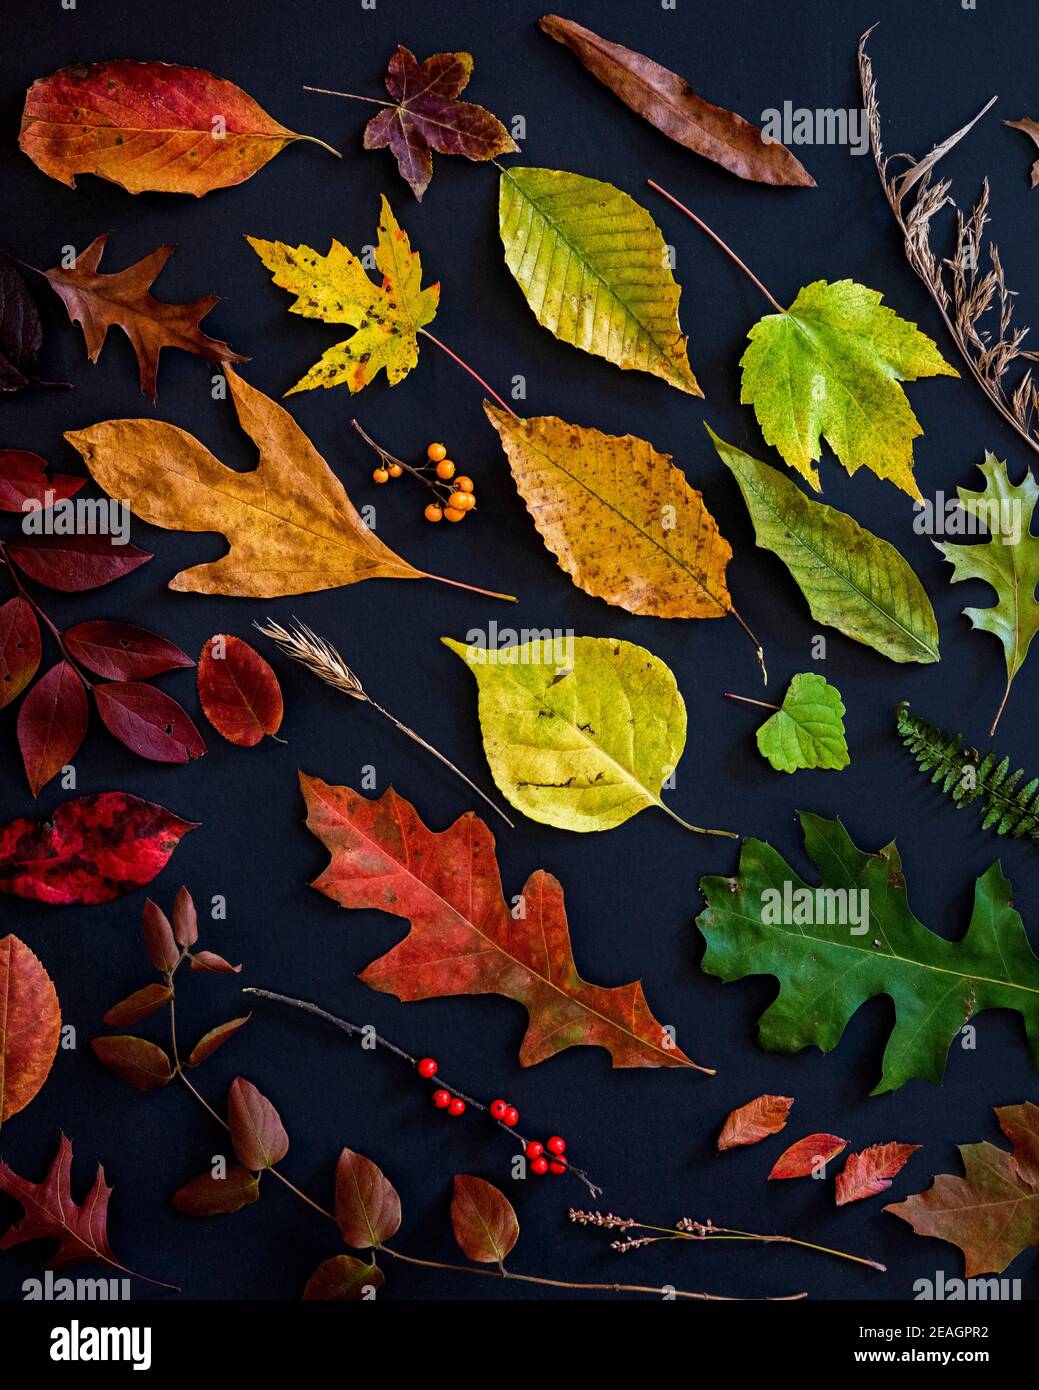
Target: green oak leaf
<point>853,580</point>
<point>829,962</point>
<point>828,368</point>
<point>1008,560</point>
<point>580,733</point>
<point>808,731</point>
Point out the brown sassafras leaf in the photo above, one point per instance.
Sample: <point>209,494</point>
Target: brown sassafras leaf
<point>756,1120</point>
<point>870,1172</point>
<point>367,1203</point>
<point>30,1025</point>
<point>807,1156</point>
<point>427,116</point>
<point>482,1219</point>
<point>97,302</point>
<point>257,1132</point>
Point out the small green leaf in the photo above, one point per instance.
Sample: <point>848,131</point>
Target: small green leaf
<point>808,731</point>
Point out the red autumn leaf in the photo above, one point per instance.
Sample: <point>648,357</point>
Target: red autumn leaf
<point>51,1214</point>
<point>73,564</point>
<point>239,692</point>
<point>92,849</point>
<point>427,116</point>
<point>463,938</point>
<point>30,1026</point>
<point>482,1219</point>
<point>869,1173</point>
<point>52,724</point>
<point>185,918</point>
<point>134,1060</point>
<point>97,302</point>
<point>122,652</point>
<point>210,1196</point>
<point>149,723</point>
<point>209,960</point>
<point>216,1037</point>
<point>159,941</point>
<point>992,1212</point>
<point>23,478</point>
<point>755,1121</point>
<point>342,1279</point>
<point>257,1132</point>
<point>20,649</point>
<point>807,1156</point>
<point>367,1203</point>
<point>138,1005</point>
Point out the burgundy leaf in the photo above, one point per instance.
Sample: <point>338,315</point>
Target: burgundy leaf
<point>138,1005</point>
<point>73,564</point>
<point>755,1121</point>
<point>122,652</point>
<point>52,723</point>
<point>807,1156</point>
<point>257,1132</point>
<point>210,1196</point>
<point>51,1214</point>
<point>23,478</point>
<point>20,649</point>
<point>185,919</point>
<point>482,1219</point>
<point>869,1173</point>
<point>367,1204</point>
<point>209,960</point>
<point>239,692</point>
<point>216,1037</point>
<point>21,334</point>
<point>134,1060</point>
<point>148,722</point>
<point>159,940</point>
<point>92,849</point>
<point>342,1279</point>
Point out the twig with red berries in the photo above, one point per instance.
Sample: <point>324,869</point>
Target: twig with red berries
<point>453,492</point>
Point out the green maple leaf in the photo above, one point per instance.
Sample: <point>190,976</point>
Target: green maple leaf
<point>829,368</point>
<point>808,731</point>
<point>1008,560</point>
<point>828,968</point>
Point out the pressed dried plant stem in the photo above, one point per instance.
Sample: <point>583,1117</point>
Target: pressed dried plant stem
<point>466,367</point>
<point>765,704</point>
<point>758,648</point>
<point>1002,706</point>
<point>392,458</point>
<point>718,241</point>
<point>355,1030</point>
<point>350,96</point>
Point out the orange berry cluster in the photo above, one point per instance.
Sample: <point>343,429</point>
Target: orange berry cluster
<point>454,495</point>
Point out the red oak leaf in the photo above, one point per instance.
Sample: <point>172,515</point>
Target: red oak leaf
<point>239,692</point>
<point>20,649</point>
<point>30,1026</point>
<point>52,723</point>
<point>92,849</point>
<point>51,1214</point>
<point>807,1156</point>
<point>464,939</point>
<point>755,1121</point>
<point>73,564</point>
<point>23,478</point>
<point>427,116</point>
<point>122,652</point>
<point>869,1173</point>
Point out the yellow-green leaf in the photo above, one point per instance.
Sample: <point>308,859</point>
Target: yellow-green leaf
<point>594,268</point>
<point>808,729</point>
<point>336,288</point>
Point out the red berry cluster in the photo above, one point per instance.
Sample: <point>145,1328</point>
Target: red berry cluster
<point>539,1164</point>
<point>505,1114</point>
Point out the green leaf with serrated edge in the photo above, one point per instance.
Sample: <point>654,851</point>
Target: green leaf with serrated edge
<point>580,733</point>
<point>1008,560</point>
<point>594,269</point>
<point>827,969</point>
<point>828,368</point>
<point>808,731</point>
<point>853,580</point>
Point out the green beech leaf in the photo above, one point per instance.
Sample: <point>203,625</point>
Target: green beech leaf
<point>828,368</point>
<point>1008,560</point>
<point>580,733</point>
<point>853,580</point>
<point>808,731</point>
<point>594,268</point>
<point>853,938</point>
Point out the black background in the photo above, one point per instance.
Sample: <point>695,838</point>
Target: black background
<point>632,893</point>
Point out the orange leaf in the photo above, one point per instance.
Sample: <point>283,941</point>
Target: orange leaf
<point>755,1121</point>
<point>870,1172</point>
<point>807,1157</point>
<point>30,1026</point>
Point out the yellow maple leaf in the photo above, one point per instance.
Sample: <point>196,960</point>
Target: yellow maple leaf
<point>336,288</point>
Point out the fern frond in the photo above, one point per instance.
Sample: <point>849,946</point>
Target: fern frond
<point>1009,808</point>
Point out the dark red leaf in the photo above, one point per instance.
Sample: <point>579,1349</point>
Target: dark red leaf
<point>216,1037</point>
<point>807,1156</point>
<point>870,1172</point>
<point>20,649</point>
<point>482,1219</point>
<point>209,960</point>
<point>23,478</point>
<point>342,1279</point>
<point>239,692</point>
<point>209,1196</point>
<point>138,1005</point>
<point>185,918</point>
<point>755,1121</point>
<point>73,564</point>
<point>121,652</point>
<point>52,723</point>
<point>21,334</point>
<point>51,1214</point>
<point>159,940</point>
<point>148,722</point>
<point>367,1204</point>
<point>92,849</point>
<point>257,1132</point>
<point>134,1060</point>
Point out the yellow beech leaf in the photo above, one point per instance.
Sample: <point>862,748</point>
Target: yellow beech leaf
<point>290,526</point>
<point>336,288</point>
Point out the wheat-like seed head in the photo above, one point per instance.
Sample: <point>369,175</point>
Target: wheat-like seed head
<point>317,655</point>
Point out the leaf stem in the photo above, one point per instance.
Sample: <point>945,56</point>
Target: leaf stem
<point>699,830</point>
<point>350,96</point>
<point>717,239</point>
<point>759,649</point>
<point>748,701</point>
<point>473,588</point>
<point>466,367</point>
<point>1002,706</point>
<point>387,457</point>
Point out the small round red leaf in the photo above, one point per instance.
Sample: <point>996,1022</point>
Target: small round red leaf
<point>240,693</point>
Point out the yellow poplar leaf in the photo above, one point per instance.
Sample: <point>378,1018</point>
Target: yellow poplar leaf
<point>336,288</point>
<point>619,517</point>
